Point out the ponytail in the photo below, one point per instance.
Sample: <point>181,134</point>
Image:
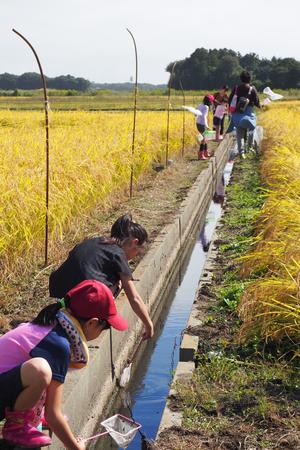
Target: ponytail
<point>124,228</point>
<point>47,316</point>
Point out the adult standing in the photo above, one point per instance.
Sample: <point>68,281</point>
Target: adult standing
<point>244,118</point>
<point>106,260</point>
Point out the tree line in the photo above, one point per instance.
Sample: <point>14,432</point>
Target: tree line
<point>209,69</point>
<point>32,80</point>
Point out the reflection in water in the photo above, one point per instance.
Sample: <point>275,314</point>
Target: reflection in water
<point>219,195</point>
<point>204,241</point>
<point>151,379</point>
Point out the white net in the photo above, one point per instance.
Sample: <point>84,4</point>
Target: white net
<point>125,377</point>
<point>258,135</point>
<point>273,95</point>
<point>121,429</point>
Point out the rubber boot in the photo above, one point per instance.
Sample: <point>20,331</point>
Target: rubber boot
<point>18,430</point>
<point>201,152</point>
<point>205,152</point>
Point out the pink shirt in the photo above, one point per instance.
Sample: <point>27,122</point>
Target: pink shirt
<point>16,345</point>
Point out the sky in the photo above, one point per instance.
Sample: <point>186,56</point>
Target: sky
<point>88,38</point>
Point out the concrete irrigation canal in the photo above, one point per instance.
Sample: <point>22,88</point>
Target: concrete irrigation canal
<point>167,279</point>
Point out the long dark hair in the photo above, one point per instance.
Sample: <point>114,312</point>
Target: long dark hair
<point>47,316</point>
<point>124,228</point>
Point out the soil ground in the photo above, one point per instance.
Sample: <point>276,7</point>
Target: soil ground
<point>242,395</point>
<point>154,204</point>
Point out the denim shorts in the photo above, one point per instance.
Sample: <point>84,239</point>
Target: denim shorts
<point>10,388</point>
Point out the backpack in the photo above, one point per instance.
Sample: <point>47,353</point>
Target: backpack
<point>243,102</point>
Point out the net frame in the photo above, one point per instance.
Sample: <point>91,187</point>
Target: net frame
<point>122,439</point>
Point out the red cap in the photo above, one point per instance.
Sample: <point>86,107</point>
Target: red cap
<point>211,97</point>
<point>90,298</point>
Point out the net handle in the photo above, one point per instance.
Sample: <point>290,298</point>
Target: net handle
<point>135,351</point>
<point>96,436</point>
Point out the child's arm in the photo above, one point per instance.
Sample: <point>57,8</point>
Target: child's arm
<point>137,305</point>
<point>205,116</point>
<point>56,420</point>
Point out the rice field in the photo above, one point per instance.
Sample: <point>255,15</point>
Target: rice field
<point>270,306</point>
<point>102,101</point>
<point>90,158</point>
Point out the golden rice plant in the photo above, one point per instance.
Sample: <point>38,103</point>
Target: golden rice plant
<point>90,159</point>
<point>270,306</point>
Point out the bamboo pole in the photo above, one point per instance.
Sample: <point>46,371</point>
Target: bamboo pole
<point>183,120</point>
<point>46,107</point>
<point>168,114</point>
<point>134,113</point>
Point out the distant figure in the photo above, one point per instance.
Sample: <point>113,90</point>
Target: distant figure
<point>106,260</point>
<point>202,124</point>
<point>220,111</point>
<point>243,118</point>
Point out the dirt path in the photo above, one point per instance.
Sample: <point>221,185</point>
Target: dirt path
<point>154,204</point>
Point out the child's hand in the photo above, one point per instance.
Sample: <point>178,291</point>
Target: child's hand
<point>80,443</point>
<point>149,331</point>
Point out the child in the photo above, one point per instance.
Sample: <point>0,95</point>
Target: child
<point>202,124</point>
<point>106,259</point>
<point>220,110</point>
<point>218,120</point>
<point>35,357</point>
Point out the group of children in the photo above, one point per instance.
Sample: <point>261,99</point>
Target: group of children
<point>242,100</point>
<point>218,103</point>
<point>35,356</point>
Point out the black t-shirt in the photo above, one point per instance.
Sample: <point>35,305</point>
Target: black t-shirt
<point>243,91</point>
<point>89,260</point>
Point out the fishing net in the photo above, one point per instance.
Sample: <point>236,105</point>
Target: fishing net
<point>273,95</point>
<point>125,377</point>
<point>121,429</point>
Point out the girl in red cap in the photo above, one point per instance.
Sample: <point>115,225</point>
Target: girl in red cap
<point>35,357</point>
<point>202,124</point>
